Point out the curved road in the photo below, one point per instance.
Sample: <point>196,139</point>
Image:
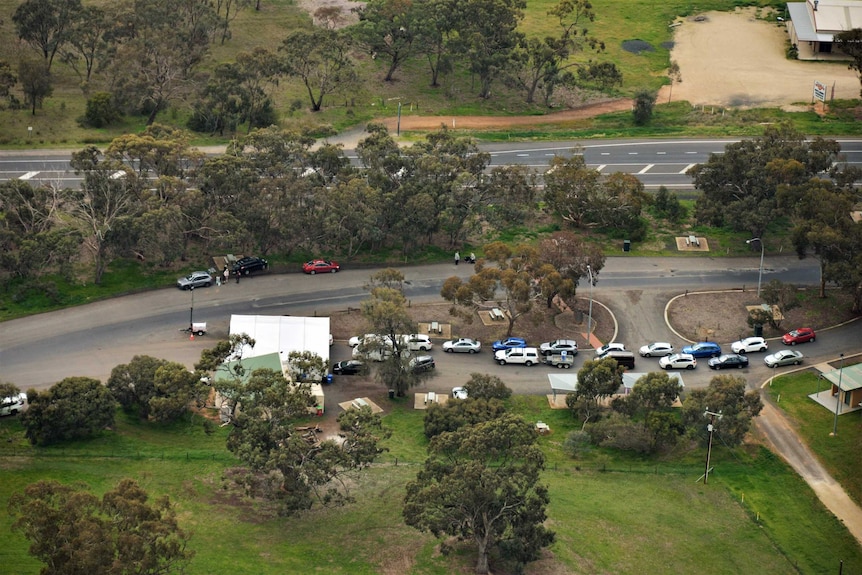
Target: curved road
<point>90,340</point>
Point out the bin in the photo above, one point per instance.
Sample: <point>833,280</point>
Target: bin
<point>391,394</point>
<point>758,330</point>
<point>627,245</point>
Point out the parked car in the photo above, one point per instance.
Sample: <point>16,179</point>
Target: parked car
<point>624,358</point>
<point>320,266</point>
<point>462,345</point>
<point>421,363</point>
<point>608,347</point>
<point>459,393</point>
<point>657,349</point>
<point>13,404</point>
<point>678,361</point>
<point>357,339</point>
<point>523,355</point>
<point>418,342</point>
<point>569,346</point>
<point>728,360</point>
<point>799,335</point>
<point>349,367</point>
<point>703,349</point>
<point>195,280</point>
<point>783,357</point>
<point>509,343</point>
<point>749,344</point>
<point>247,265</point>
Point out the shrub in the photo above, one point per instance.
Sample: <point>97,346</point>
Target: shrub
<point>101,110</point>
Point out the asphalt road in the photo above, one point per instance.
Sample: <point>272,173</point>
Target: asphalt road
<point>654,162</point>
<point>90,340</point>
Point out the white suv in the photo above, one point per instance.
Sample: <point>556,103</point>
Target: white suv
<point>678,361</point>
<point>418,342</point>
<point>13,404</point>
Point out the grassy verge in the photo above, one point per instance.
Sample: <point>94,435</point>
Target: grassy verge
<point>814,423</point>
<point>612,513</point>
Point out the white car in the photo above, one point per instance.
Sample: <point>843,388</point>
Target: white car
<point>462,345</point>
<point>783,357</point>
<point>418,342</point>
<point>13,404</point>
<point>656,349</point>
<point>749,344</point>
<point>678,361</point>
<point>357,339</point>
<point>609,347</point>
<point>459,393</point>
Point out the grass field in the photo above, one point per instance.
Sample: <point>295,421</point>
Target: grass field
<point>55,124</point>
<point>611,513</point>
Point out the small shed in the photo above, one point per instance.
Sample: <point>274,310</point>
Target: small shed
<point>846,386</point>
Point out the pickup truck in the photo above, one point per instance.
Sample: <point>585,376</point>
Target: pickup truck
<point>524,355</point>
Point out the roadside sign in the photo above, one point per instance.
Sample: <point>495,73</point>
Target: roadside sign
<point>820,91</point>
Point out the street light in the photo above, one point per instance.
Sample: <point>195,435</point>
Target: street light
<point>760,275</point>
<point>590,313</point>
<point>838,397</point>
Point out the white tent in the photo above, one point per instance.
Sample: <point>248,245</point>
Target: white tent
<point>283,334</point>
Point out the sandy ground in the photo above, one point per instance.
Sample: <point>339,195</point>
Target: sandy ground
<point>726,59</point>
<point>731,59</point>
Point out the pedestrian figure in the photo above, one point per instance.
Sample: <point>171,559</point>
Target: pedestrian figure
<point>472,258</point>
<point>457,258</point>
<point>226,274</point>
<point>237,276</point>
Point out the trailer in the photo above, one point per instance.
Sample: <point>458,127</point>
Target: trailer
<point>560,360</point>
<point>196,328</point>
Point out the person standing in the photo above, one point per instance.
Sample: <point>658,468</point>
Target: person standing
<point>226,274</point>
<point>237,274</point>
<point>457,258</point>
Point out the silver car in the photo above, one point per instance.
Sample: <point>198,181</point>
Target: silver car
<point>783,357</point>
<point>195,280</point>
<point>462,345</point>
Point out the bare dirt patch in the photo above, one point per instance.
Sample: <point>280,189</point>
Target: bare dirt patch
<point>722,316</point>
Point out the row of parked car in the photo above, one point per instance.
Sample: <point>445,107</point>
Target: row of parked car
<point>687,359</point>
<point>249,265</point>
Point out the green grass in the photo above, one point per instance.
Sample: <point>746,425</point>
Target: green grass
<point>814,423</point>
<point>55,124</point>
<point>641,515</point>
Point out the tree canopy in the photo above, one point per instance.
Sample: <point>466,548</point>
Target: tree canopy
<point>74,408</point>
<point>74,532</point>
<point>726,394</point>
<point>482,483</point>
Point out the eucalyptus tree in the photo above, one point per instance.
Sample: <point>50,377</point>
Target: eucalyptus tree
<point>387,28</point>
<point>45,24</point>
<point>320,59</point>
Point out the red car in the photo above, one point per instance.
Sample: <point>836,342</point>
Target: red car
<point>799,335</point>
<point>320,266</point>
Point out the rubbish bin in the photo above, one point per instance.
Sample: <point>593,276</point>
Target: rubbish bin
<point>758,330</point>
<point>627,245</point>
<point>391,394</point>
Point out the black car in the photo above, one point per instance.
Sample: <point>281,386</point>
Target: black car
<point>248,265</point>
<point>349,367</point>
<point>729,360</point>
<point>422,363</point>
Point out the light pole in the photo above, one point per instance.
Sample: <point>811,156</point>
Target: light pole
<point>759,275</point>
<point>192,311</point>
<point>590,313</point>
<point>838,398</point>
<point>710,428</point>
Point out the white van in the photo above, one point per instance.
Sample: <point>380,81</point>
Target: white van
<point>13,405</point>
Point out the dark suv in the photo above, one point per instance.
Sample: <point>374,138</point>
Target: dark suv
<point>421,363</point>
<point>247,265</point>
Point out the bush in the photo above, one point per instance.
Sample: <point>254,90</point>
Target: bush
<point>74,408</point>
<point>620,432</point>
<point>101,111</point>
<point>577,443</point>
<point>456,414</point>
<point>644,104</point>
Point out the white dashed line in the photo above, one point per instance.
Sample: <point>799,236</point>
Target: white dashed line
<point>28,175</point>
<point>647,168</point>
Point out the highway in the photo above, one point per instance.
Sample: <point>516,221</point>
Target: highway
<point>655,162</point>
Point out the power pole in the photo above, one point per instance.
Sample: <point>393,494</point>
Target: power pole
<point>710,428</point>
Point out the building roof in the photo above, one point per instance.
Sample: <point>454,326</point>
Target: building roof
<point>830,18</point>
<point>850,379</point>
<point>283,334</point>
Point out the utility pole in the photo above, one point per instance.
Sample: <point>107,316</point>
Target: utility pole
<point>710,428</point>
<point>838,399</point>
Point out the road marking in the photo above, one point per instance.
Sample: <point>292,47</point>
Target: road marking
<point>661,153</point>
<point>118,174</point>
<point>28,175</point>
<point>601,167</point>
<point>647,168</point>
<point>687,168</point>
